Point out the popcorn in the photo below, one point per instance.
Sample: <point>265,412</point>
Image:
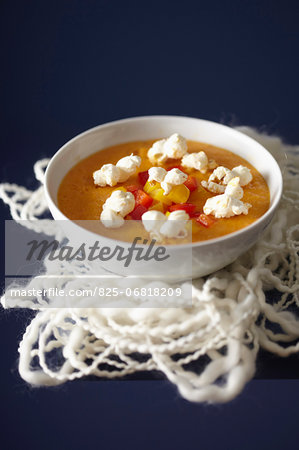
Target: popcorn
<point>120,202</point>
<point>156,174</point>
<point>225,175</point>
<point>110,174</point>
<point>243,173</point>
<point>229,203</point>
<point>174,147</point>
<point>168,179</point>
<point>116,207</point>
<point>198,161</point>
<point>221,173</point>
<point>174,177</point>
<point>128,166</point>
<point>152,222</point>
<point>107,175</point>
<point>111,219</point>
<point>159,225</point>
<point>233,188</point>
<point>225,206</point>
<point>175,226</point>
<point>156,153</point>
<point>213,187</point>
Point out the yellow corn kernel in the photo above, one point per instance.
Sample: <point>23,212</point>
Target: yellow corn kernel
<point>120,188</point>
<point>150,186</point>
<point>178,194</point>
<point>167,213</point>
<point>156,192</point>
<point>158,195</point>
<point>157,207</point>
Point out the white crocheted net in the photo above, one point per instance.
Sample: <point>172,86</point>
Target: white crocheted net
<point>250,304</point>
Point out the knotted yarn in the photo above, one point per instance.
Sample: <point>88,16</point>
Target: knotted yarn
<point>208,351</point>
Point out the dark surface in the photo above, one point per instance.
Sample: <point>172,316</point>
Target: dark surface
<point>68,66</point>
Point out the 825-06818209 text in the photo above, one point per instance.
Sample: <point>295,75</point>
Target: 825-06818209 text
<point>100,291</point>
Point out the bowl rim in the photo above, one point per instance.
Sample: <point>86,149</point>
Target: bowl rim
<point>235,234</point>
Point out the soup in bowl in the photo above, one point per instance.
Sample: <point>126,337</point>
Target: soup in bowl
<point>222,187</point>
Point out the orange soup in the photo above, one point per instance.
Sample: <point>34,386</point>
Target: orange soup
<point>80,199</point>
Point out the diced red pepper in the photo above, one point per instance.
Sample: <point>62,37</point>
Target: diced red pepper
<point>143,177</point>
<point>137,213</point>
<point>189,208</point>
<point>142,198</point>
<point>176,167</point>
<point>196,214</point>
<point>132,188</point>
<point>191,183</point>
<point>205,220</point>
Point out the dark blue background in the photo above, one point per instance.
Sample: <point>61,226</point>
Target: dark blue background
<point>71,65</point>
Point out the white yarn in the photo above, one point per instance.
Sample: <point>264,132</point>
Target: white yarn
<point>231,318</point>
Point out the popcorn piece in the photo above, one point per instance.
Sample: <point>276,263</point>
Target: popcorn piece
<point>159,226</point>
<point>111,219</point>
<point>151,217</point>
<point>198,161</point>
<point>175,146</point>
<point>116,207</point>
<point>175,227</point>
<point>107,175</point>
<point>156,153</point>
<point>221,173</point>
<point>173,178</point>
<point>243,173</point>
<point>233,188</point>
<point>172,148</point>
<point>168,179</point>
<point>225,175</point>
<point>128,166</point>
<point>225,206</point>
<point>152,222</point>
<point>120,202</point>
<point>157,174</point>
<point>228,204</point>
<point>213,187</point>
<point>110,174</point>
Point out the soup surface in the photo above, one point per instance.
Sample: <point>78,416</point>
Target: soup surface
<point>79,198</point>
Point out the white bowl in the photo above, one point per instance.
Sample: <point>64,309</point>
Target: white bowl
<point>207,256</point>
